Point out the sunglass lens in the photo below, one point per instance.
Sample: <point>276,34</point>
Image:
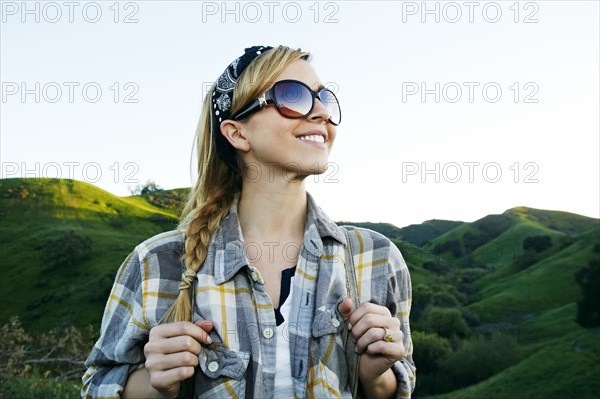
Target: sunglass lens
<point>293,99</point>
<point>331,103</point>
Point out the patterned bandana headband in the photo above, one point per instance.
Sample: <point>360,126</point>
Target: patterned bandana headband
<point>222,97</point>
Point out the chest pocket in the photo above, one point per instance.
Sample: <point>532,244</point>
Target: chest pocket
<point>329,369</point>
<point>222,372</point>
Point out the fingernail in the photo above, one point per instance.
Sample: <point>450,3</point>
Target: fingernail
<point>209,340</point>
<point>349,326</point>
<point>356,350</point>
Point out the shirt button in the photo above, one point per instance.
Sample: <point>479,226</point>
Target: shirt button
<point>213,366</point>
<point>335,322</point>
<point>268,332</point>
<point>254,275</point>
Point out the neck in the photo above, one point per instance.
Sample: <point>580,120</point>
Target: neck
<point>272,210</point>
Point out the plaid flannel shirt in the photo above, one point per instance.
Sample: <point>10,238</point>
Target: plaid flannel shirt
<point>230,292</point>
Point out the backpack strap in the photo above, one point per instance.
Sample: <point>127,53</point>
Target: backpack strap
<point>352,358</point>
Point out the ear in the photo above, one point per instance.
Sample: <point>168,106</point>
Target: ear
<point>232,131</point>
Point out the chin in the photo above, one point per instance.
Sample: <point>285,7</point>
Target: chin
<point>307,167</point>
<point>315,168</point>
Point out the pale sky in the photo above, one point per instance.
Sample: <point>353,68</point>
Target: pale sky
<point>516,122</point>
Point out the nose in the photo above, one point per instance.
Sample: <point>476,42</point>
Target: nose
<point>319,111</point>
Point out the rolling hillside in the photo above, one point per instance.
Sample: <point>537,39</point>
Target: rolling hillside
<point>415,234</point>
<point>62,242</point>
<point>528,259</point>
<point>562,362</point>
<point>546,284</point>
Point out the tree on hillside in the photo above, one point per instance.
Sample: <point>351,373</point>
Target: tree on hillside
<point>65,251</point>
<point>446,322</point>
<point>477,359</point>
<point>149,187</point>
<point>588,308</point>
<point>433,349</point>
<point>421,299</point>
<point>452,246</point>
<point>537,243</point>
<point>440,267</point>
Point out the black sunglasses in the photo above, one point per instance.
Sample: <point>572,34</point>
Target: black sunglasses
<point>294,99</point>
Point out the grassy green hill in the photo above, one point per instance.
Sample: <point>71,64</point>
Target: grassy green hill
<point>565,222</point>
<point>415,234</point>
<point>562,362</point>
<point>504,233</point>
<point>547,284</point>
<point>47,221</point>
<point>530,294</point>
<point>497,242</point>
<point>422,234</point>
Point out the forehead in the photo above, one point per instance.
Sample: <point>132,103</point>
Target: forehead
<point>302,70</point>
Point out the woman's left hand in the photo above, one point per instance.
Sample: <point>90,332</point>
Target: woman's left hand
<point>370,324</point>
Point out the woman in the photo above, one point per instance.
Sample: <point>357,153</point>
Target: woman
<point>251,238</point>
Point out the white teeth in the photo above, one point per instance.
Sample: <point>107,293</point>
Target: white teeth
<point>317,138</point>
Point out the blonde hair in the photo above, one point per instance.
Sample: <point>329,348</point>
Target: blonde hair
<point>211,197</point>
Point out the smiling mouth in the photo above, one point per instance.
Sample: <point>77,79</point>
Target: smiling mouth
<point>314,138</point>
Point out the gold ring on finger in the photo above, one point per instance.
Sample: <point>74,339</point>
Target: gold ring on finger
<point>388,336</point>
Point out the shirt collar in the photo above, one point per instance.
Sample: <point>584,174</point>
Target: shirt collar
<point>230,243</point>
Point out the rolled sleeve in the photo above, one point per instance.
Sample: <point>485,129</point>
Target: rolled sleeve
<point>123,333</point>
<point>399,302</point>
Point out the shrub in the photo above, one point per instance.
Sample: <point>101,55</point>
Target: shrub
<point>468,275</point>
<point>565,241</point>
<point>470,317</point>
<point>453,290</point>
<point>532,246</point>
<point>66,250</point>
<point>537,243</point>
<point>447,323</point>
<point>58,353</point>
<point>116,223</point>
<point>492,226</point>
<point>588,307</point>
<point>473,241</point>
<point>444,300</point>
<point>526,259</point>
<point>421,299</point>
<point>430,351</point>
<point>23,193</point>
<point>452,246</point>
<point>468,289</point>
<point>437,267</point>
<point>39,387</point>
<point>163,221</point>
<point>478,359</point>
<point>20,192</point>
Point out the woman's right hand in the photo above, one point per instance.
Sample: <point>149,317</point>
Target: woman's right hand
<point>172,353</point>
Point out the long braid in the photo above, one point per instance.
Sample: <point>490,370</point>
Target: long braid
<point>205,220</point>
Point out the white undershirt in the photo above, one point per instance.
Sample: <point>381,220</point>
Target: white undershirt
<point>283,367</point>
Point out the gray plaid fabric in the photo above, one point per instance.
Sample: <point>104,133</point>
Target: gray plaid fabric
<point>229,291</point>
